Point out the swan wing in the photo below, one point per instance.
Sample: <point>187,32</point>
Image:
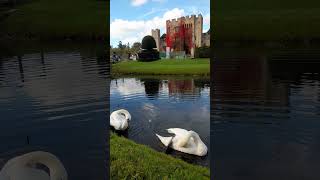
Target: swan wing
<point>188,150</point>
<point>165,140</point>
<point>178,132</point>
<point>116,121</point>
<point>192,148</point>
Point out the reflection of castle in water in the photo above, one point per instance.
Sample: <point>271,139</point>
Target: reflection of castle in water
<point>176,88</point>
<point>183,88</point>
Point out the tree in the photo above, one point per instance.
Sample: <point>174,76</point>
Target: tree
<point>136,47</point>
<point>120,45</point>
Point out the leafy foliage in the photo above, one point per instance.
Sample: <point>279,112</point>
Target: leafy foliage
<point>202,52</point>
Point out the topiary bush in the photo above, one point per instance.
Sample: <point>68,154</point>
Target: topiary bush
<point>148,43</point>
<point>148,50</point>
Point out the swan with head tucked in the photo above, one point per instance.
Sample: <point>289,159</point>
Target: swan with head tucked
<point>184,141</point>
<point>24,167</point>
<point>119,119</point>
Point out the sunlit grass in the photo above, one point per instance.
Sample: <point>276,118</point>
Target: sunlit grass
<point>129,160</point>
<point>163,67</point>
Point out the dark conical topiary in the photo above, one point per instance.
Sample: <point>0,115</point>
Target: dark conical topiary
<point>148,50</point>
<point>148,43</point>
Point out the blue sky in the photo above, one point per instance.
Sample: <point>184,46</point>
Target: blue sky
<point>131,20</point>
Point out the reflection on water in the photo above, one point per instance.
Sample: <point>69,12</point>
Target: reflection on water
<point>265,110</point>
<point>53,98</point>
<point>157,104</point>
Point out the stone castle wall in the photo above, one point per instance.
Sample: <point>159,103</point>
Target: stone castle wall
<point>183,34</point>
<point>155,33</point>
<point>195,24</point>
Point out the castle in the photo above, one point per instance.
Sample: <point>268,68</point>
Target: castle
<point>182,35</point>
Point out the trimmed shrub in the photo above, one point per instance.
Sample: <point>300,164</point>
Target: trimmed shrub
<point>202,52</point>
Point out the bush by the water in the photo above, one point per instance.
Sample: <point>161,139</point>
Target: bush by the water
<point>202,52</point>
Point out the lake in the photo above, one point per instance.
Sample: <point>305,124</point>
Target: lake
<point>265,113</point>
<point>158,103</point>
<point>56,97</point>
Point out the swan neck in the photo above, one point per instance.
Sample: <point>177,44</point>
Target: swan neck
<point>195,137</point>
<point>126,114</point>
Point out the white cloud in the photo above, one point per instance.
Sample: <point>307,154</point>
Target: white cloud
<point>126,87</point>
<point>134,31</point>
<point>206,22</point>
<point>206,19</point>
<point>153,11</point>
<point>138,2</point>
<point>161,1</point>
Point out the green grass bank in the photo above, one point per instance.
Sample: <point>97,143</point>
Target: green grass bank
<point>272,20</point>
<point>58,19</point>
<point>199,67</point>
<point>129,160</point>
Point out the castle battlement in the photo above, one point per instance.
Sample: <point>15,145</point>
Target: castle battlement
<point>186,38</point>
<point>184,18</point>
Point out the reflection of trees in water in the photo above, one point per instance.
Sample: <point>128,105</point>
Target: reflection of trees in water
<point>95,52</point>
<point>296,67</point>
<point>40,56</point>
<point>2,74</point>
<point>202,83</point>
<point>20,68</point>
<point>151,87</point>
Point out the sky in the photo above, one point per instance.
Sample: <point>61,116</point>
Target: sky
<point>131,20</point>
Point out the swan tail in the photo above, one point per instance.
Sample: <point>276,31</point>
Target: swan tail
<point>165,140</point>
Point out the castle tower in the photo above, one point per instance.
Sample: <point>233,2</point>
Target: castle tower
<point>198,30</point>
<point>155,33</point>
<point>184,34</point>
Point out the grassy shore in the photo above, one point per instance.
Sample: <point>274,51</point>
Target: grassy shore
<point>58,19</point>
<point>272,20</point>
<point>129,160</point>
<point>163,67</point>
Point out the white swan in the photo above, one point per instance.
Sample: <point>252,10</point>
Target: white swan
<point>185,141</point>
<point>119,119</point>
<point>23,167</point>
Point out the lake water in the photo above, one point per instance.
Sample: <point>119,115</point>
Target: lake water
<point>159,103</point>
<point>266,113</point>
<point>56,95</point>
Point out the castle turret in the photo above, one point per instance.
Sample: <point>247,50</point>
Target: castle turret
<point>156,35</point>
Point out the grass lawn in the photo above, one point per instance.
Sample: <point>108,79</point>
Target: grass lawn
<point>163,67</point>
<point>129,160</point>
<point>271,20</point>
<point>49,19</point>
